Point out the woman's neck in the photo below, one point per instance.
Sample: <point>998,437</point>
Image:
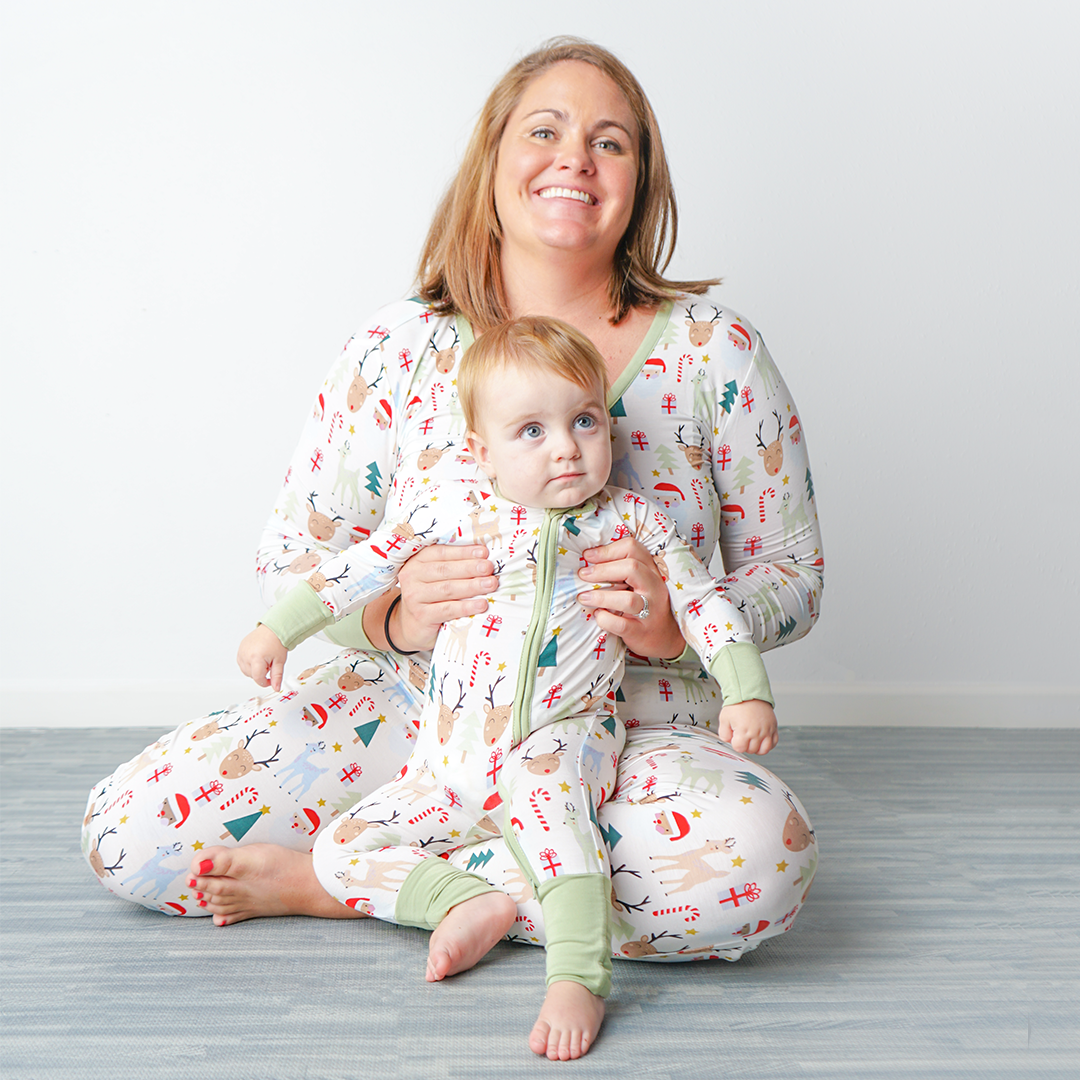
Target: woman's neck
<point>560,288</point>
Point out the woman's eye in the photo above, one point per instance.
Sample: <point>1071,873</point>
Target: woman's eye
<point>543,133</point>
<point>585,422</point>
<point>607,144</point>
<point>532,431</point>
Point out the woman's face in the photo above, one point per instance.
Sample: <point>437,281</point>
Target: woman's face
<point>567,168</point>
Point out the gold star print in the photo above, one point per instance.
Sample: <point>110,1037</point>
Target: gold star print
<point>123,820</point>
<point>738,862</point>
<point>183,896</point>
<point>382,719</point>
<point>746,800</point>
<point>264,810</point>
<point>564,786</point>
<point>445,761</point>
<point>678,586</point>
<point>728,625</point>
<point>500,667</point>
<point>426,480</point>
<point>626,517</point>
<point>656,472</point>
<point>273,723</point>
<point>337,748</point>
<point>781,867</point>
<point>187,749</point>
<point>454,832</point>
<point>786,479</point>
<point>705,358</point>
<point>723,495</point>
<point>197,846</point>
<point>536,532</point>
<point>562,551</point>
<point>321,802</point>
<point>352,429</point>
<point>353,862</point>
<point>695,813</point>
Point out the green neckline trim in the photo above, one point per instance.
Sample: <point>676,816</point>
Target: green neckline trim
<point>632,369</point>
<point>637,361</point>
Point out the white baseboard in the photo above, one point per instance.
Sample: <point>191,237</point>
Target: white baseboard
<point>162,705</point>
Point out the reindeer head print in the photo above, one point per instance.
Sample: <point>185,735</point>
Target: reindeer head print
<point>241,761</point>
<point>321,526</point>
<point>773,454</point>
<point>448,716</point>
<point>445,358</point>
<point>496,717</point>
<point>546,764</point>
<point>700,331</point>
<point>798,835</point>
<point>360,390</point>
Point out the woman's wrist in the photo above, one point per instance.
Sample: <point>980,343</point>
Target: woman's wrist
<point>375,619</point>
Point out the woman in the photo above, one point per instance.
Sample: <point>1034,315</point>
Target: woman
<point>562,207</point>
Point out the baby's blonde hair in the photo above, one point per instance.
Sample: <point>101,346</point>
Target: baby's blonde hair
<point>537,343</point>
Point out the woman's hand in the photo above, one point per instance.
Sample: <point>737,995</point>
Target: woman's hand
<point>439,583</point>
<point>634,579</point>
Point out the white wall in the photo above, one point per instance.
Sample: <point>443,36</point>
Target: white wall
<point>203,200</point>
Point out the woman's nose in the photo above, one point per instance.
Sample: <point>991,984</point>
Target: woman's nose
<point>576,155</point>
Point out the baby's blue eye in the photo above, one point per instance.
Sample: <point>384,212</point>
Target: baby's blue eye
<point>532,431</point>
<point>585,422</point>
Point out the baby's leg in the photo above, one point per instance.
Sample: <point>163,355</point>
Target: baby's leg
<point>382,860</point>
<point>554,783</point>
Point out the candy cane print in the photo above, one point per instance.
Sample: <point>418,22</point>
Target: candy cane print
<point>694,915</point>
<point>536,809</point>
<point>526,922</point>
<point>476,663</point>
<point>714,629</point>
<point>252,799</point>
<point>122,799</point>
<point>678,366</point>
<point>438,386</point>
<point>444,817</point>
<point>697,487</point>
<point>335,420</point>
<point>356,708</point>
<point>761,501</point>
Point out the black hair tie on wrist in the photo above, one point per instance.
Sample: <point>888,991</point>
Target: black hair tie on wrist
<point>386,629</point>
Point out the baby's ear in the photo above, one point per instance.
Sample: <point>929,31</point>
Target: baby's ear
<point>479,450</point>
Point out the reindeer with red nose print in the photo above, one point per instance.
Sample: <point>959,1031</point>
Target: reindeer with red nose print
<point>241,761</point>
<point>496,717</point>
<point>701,332</point>
<point>359,390</point>
<point>321,526</point>
<point>773,454</point>
<point>444,358</point>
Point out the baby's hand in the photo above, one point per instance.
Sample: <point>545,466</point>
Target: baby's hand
<point>262,656</point>
<point>750,727</point>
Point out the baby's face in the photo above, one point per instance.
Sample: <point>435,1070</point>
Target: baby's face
<point>544,439</point>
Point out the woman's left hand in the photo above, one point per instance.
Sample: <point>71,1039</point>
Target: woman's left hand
<point>635,583</point>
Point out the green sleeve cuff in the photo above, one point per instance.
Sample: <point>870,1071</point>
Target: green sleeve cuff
<point>739,670</point>
<point>577,914</point>
<point>348,632</point>
<point>298,615</point>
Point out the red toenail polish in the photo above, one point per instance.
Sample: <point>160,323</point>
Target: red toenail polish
<point>191,883</point>
<point>198,896</point>
<point>206,866</point>
<point>202,903</point>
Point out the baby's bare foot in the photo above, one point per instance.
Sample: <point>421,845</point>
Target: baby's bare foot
<point>254,880</point>
<point>468,933</point>
<point>569,1021</point>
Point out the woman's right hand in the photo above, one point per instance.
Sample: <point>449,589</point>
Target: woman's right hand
<point>438,583</point>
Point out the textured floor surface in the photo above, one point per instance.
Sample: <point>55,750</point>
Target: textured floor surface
<point>942,939</point>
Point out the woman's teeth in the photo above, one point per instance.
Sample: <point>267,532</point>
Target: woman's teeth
<point>566,193</point>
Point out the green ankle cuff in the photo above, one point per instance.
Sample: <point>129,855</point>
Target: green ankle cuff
<point>431,890</point>
<point>577,921</point>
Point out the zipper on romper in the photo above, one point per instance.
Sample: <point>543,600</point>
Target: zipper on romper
<point>534,637</point>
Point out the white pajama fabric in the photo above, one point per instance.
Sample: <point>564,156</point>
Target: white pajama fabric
<point>710,853</point>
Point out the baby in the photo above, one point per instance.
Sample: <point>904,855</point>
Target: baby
<point>519,735</point>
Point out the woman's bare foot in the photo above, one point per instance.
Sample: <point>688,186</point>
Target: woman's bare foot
<point>255,880</point>
<point>468,932</point>
<point>569,1021</point>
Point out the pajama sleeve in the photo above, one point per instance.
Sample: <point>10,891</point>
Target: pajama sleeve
<point>335,487</point>
<point>349,579</point>
<point>770,539</point>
